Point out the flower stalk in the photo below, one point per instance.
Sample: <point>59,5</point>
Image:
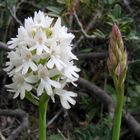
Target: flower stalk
<point>118,113</point>
<point>117,65</point>
<point>43,106</point>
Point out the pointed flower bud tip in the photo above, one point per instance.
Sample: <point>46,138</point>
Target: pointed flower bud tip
<point>116,32</point>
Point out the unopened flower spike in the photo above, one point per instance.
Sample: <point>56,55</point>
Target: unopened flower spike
<point>117,61</point>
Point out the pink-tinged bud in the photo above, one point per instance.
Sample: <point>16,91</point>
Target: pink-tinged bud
<point>117,61</point>
<point>118,70</point>
<point>118,53</point>
<point>117,37</point>
<point>116,32</point>
<point>112,57</point>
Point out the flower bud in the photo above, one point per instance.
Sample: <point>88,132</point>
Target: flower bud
<point>117,61</point>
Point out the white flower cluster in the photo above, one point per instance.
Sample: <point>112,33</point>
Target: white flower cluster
<point>41,59</point>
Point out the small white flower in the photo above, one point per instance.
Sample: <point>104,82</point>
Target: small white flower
<point>20,85</point>
<point>14,60</point>
<point>27,61</point>
<point>46,82</point>
<point>40,39</point>
<point>66,97</point>
<point>29,26</point>
<point>13,43</point>
<point>39,19</point>
<point>60,33</point>
<point>71,72</point>
<point>55,55</point>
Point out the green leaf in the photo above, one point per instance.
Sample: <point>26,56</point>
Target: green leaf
<point>137,87</point>
<point>32,98</point>
<point>11,2</point>
<point>108,2</point>
<point>117,11</point>
<point>56,10</point>
<point>52,14</point>
<point>132,36</point>
<point>99,33</point>
<point>56,137</point>
<point>109,89</point>
<point>61,1</point>
<point>111,17</point>
<point>91,114</point>
<point>86,50</point>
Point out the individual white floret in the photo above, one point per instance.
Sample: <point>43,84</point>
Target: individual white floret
<point>66,97</point>
<point>21,84</point>
<point>40,40</point>
<point>27,61</point>
<point>46,83</point>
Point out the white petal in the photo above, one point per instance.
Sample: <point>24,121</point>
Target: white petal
<point>71,94</point>
<point>54,83</point>
<point>27,87</point>
<point>58,64</point>
<point>33,48</point>
<point>16,95</point>
<point>31,79</point>
<point>50,64</point>
<point>9,68</point>
<point>45,49</point>
<point>40,89</point>
<point>64,103</point>
<point>32,66</point>
<point>71,100</point>
<point>58,24</point>
<point>39,50</point>
<point>22,94</point>
<point>18,68</point>
<point>73,56</point>
<point>53,99</point>
<point>54,72</point>
<point>13,86</point>
<point>25,69</point>
<point>48,89</point>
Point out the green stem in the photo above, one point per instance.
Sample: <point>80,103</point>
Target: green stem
<point>118,113</point>
<point>43,105</point>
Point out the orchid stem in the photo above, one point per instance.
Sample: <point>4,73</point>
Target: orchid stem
<point>118,112</point>
<point>43,106</point>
